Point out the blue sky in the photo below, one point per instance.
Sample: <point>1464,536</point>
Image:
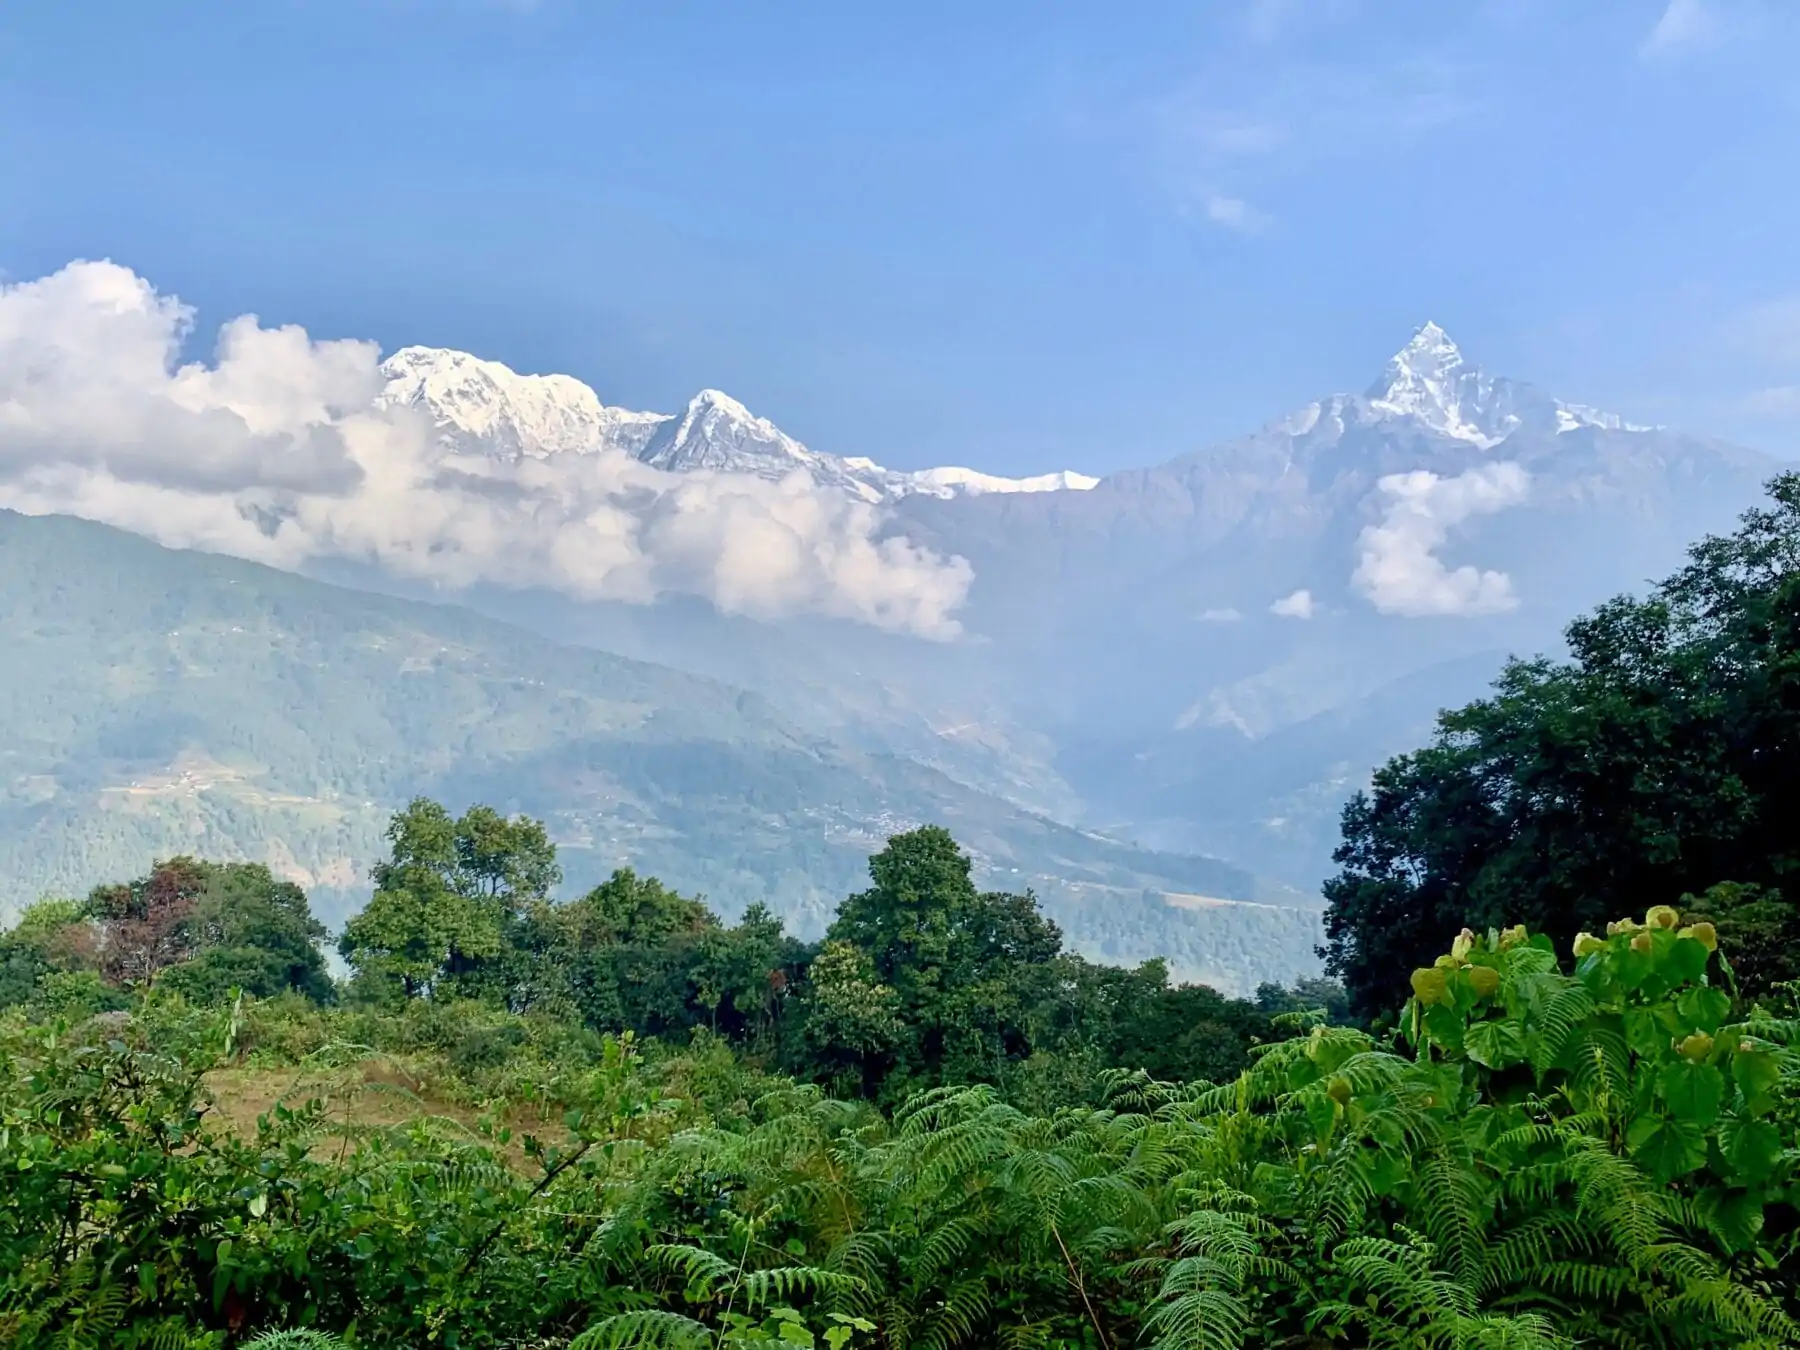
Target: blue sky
<point>1017,235</point>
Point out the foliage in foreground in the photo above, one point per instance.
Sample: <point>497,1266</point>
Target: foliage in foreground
<point>1606,1156</point>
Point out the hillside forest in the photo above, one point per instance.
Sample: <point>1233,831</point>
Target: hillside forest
<point>1548,1096</point>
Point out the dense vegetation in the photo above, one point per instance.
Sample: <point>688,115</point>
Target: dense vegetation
<point>1659,764</point>
<point>622,1120</point>
<point>626,1122</point>
<point>204,704</point>
<point>1541,1158</point>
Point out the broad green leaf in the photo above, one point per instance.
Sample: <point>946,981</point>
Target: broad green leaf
<point>1645,1034</point>
<point>1495,1045</point>
<point>1704,1007</point>
<point>1666,1148</point>
<point>1445,1026</point>
<point>1384,1171</point>
<point>1751,1147</point>
<point>1685,961</point>
<point>1694,1092</point>
<point>1757,1073</point>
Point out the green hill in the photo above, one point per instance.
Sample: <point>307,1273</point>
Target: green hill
<point>155,701</point>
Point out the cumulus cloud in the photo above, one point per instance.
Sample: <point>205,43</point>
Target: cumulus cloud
<point>1399,570</point>
<point>275,450</point>
<point>1299,605</point>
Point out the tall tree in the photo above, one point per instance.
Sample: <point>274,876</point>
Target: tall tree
<point>966,970</point>
<point>1661,759</point>
<point>254,932</point>
<point>446,897</point>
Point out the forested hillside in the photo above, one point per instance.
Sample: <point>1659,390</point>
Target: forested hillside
<point>205,705</point>
<point>624,1120</point>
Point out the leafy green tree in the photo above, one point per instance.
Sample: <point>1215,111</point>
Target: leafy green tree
<point>852,1021</point>
<point>253,933</point>
<point>644,958</point>
<point>1311,993</point>
<point>968,971</point>
<point>1661,759</point>
<point>446,897</point>
<point>49,937</point>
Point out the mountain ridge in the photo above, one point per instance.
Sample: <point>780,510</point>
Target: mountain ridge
<point>484,405</point>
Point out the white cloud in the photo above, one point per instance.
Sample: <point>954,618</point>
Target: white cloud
<point>1299,605</point>
<point>1399,570</point>
<point>275,451</point>
<point>1234,213</point>
<point>1684,25</point>
<point>1220,616</point>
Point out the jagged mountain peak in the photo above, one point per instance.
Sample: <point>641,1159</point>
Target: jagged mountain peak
<point>485,407</point>
<point>1429,353</point>
<point>1429,380</point>
<point>1430,385</point>
<point>481,406</point>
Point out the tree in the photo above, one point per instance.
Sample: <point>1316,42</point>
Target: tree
<point>968,971</point>
<point>144,925</point>
<point>49,937</point>
<point>1661,759</point>
<point>853,1023</point>
<point>446,897</point>
<point>252,932</point>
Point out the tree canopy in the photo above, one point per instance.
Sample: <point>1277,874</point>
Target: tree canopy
<point>1658,764</point>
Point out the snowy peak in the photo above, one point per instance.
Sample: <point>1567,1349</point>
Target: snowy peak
<point>1429,384</point>
<point>715,431</point>
<point>1422,366</point>
<point>484,407</point>
<point>1428,380</point>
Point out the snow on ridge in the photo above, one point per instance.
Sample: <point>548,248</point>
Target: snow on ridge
<point>951,478</point>
<point>1428,383</point>
<point>485,406</point>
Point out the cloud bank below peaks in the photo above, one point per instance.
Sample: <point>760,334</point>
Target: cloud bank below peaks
<point>276,451</point>
<point>1398,569</point>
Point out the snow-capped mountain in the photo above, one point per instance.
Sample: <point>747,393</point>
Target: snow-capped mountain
<point>484,407</point>
<point>1429,385</point>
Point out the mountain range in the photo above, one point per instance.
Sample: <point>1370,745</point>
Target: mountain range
<point>484,407</point>
<point>1208,654</point>
<point>1160,686</point>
